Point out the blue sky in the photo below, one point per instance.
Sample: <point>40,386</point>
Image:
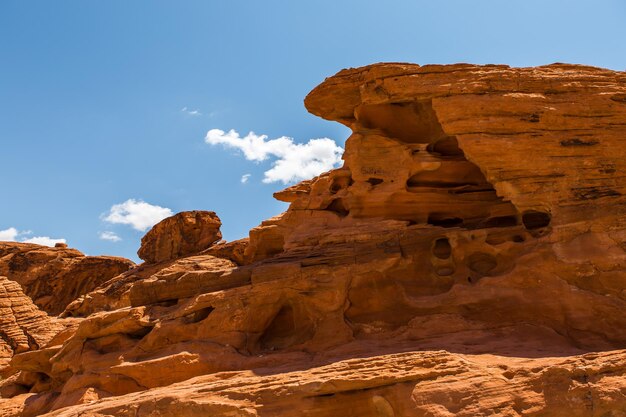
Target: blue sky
<point>102,102</point>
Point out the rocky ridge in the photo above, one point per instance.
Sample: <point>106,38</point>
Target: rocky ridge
<point>467,260</point>
<point>54,277</point>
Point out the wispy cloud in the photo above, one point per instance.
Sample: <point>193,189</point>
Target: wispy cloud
<point>137,213</point>
<point>245,178</point>
<point>190,112</point>
<point>13,235</point>
<point>293,161</point>
<point>110,236</point>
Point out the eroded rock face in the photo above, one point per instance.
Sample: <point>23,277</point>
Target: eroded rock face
<point>116,293</point>
<point>23,327</point>
<point>467,260</point>
<point>436,383</point>
<point>54,277</point>
<point>183,234</point>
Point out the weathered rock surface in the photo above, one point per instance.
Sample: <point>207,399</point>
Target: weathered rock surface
<point>435,383</point>
<point>53,277</point>
<point>183,234</point>
<point>115,293</point>
<point>23,327</point>
<point>467,260</point>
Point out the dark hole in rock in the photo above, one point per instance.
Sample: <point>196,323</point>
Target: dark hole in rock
<point>487,192</point>
<point>533,219</point>
<point>43,377</point>
<point>166,303</point>
<point>198,315</point>
<point>469,279</point>
<point>620,98</point>
<point>463,195</point>
<point>578,142</point>
<point>14,389</point>
<point>285,330</point>
<point>444,220</point>
<point>375,181</point>
<point>533,118</point>
<point>445,272</point>
<point>447,146</point>
<point>593,193</point>
<point>442,248</point>
<point>451,174</point>
<point>338,207</point>
<point>19,262</point>
<point>482,263</point>
<point>340,183</point>
<point>140,334</point>
<point>501,221</point>
<point>410,122</point>
<point>518,239</point>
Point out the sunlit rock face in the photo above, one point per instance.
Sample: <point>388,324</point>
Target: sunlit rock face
<point>54,276</point>
<point>183,234</point>
<point>23,327</point>
<point>468,259</point>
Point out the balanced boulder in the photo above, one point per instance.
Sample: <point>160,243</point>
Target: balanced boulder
<point>183,234</point>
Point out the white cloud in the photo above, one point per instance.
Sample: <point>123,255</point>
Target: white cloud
<point>294,161</point>
<point>44,240</point>
<point>245,178</point>
<point>9,234</point>
<point>110,236</point>
<point>138,214</point>
<point>190,112</point>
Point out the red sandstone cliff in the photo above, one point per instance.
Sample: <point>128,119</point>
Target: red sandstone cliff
<point>467,260</point>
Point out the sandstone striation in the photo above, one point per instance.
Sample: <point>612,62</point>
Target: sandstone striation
<point>23,327</point>
<point>468,259</point>
<point>54,277</point>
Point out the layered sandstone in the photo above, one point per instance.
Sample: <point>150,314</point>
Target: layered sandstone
<point>23,327</point>
<point>434,383</point>
<point>54,277</point>
<point>467,260</point>
<point>116,292</point>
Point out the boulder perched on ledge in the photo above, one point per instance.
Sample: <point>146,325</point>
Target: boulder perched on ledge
<point>182,234</point>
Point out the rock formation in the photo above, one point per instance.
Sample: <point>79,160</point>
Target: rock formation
<point>469,259</point>
<point>23,327</point>
<point>180,235</point>
<point>53,277</point>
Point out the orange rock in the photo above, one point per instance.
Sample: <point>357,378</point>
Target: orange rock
<point>467,260</point>
<point>234,251</point>
<point>23,327</point>
<point>115,293</point>
<point>183,234</point>
<point>54,277</point>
